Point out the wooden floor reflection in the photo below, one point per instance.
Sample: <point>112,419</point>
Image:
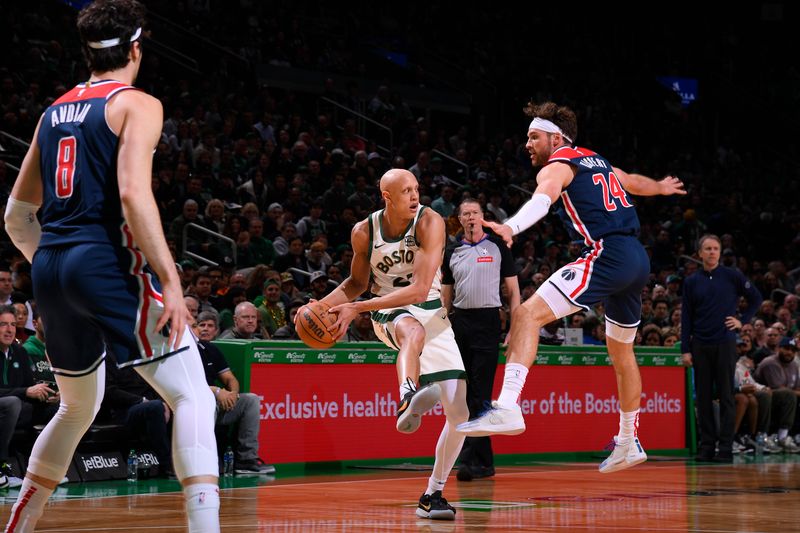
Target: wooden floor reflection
<point>658,496</point>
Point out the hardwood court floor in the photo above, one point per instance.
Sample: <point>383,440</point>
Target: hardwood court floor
<point>670,496</point>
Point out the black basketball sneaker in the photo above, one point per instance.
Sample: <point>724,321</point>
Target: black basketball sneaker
<point>435,507</point>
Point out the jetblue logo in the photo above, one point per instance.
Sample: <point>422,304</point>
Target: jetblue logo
<point>568,274</point>
<point>95,462</point>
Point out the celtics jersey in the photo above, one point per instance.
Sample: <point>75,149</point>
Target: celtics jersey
<point>392,260</point>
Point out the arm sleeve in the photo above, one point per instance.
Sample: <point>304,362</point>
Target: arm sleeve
<point>529,214</point>
<point>23,227</point>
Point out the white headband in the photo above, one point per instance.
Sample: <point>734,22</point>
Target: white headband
<point>108,43</point>
<point>546,126</point>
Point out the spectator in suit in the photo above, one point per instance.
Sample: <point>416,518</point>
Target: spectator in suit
<point>708,338</point>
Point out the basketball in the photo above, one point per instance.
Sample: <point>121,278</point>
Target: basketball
<point>312,325</point>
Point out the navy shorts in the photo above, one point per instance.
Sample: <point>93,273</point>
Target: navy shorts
<point>93,297</point>
<point>614,270</point>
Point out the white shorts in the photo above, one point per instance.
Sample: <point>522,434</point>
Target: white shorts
<point>440,358</point>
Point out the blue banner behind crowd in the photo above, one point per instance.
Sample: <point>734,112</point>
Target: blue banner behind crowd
<point>686,88</point>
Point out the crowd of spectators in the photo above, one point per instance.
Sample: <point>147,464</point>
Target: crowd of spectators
<point>286,180</point>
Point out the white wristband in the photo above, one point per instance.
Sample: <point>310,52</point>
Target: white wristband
<point>23,226</point>
<point>529,214</point>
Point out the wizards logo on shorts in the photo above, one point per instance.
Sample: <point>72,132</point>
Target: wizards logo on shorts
<point>568,274</point>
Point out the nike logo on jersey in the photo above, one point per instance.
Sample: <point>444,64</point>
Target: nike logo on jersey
<point>379,245</point>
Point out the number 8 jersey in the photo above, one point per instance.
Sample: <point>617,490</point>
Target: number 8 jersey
<point>392,260</point>
<point>78,160</point>
<point>594,204</point>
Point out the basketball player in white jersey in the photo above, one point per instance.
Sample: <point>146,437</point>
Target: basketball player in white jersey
<point>400,248</point>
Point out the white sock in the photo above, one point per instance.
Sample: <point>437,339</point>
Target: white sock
<point>628,426</point>
<point>512,384</point>
<point>434,485</point>
<point>406,387</point>
<point>202,506</point>
<point>783,433</point>
<point>28,508</point>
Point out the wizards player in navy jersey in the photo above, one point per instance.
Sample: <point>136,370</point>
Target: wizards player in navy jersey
<point>102,273</point>
<point>613,269</point>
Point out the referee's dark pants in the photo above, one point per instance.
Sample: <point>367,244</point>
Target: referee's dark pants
<point>714,368</point>
<point>477,334</point>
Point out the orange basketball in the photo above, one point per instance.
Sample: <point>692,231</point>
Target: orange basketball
<point>312,325</point>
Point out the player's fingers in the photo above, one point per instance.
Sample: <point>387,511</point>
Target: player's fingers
<point>177,325</point>
<point>162,321</point>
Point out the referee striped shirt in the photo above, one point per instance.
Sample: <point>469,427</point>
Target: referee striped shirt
<point>476,270</point>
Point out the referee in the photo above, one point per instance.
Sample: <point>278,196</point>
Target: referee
<point>471,273</point>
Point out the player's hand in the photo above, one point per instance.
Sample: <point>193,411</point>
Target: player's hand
<point>502,231</point>
<point>175,314</point>
<point>671,185</point>
<point>686,359</point>
<point>345,313</point>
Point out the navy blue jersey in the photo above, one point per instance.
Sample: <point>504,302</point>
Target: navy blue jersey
<point>594,205</point>
<point>81,201</point>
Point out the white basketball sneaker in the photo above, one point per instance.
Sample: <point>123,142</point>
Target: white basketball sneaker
<point>415,404</point>
<point>623,456</point>
<point>499,420</point>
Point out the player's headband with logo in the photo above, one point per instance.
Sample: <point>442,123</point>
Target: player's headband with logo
<point>546,126</point>
<point>116,41</point>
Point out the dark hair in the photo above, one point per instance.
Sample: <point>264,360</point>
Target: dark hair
<point>7,309</point>
<point>109,19</point>
<point>561,116</point>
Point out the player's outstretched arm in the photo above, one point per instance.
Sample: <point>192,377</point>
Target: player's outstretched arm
<point>139,117</point>
<point>643,186</point>
<point>550,181</point>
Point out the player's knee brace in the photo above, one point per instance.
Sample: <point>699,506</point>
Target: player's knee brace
<point>180,380</point>
<point>619,333</point>
<point>80,400</point>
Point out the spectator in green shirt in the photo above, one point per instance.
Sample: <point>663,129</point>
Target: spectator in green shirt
<point>40,366</point>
